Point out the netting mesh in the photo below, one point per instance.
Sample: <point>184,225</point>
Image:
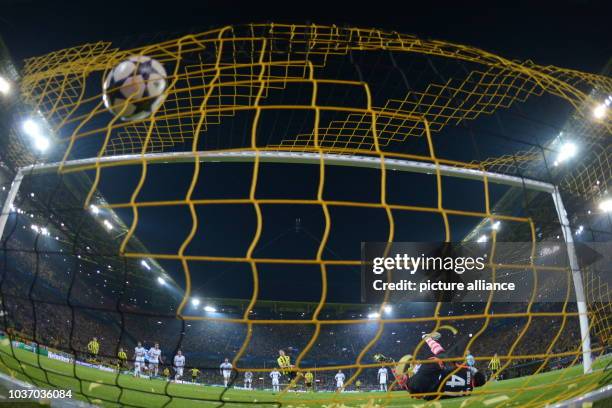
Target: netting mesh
<point>263,89</point>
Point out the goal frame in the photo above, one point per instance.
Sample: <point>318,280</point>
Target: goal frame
<point>339,160</point>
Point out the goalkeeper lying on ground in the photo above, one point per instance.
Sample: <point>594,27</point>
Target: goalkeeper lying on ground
<point>427,378</point>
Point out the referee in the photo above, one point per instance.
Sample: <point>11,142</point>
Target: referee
<point>93,347</point>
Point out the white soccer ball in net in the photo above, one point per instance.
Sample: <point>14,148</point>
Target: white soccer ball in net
<point>134,89</point>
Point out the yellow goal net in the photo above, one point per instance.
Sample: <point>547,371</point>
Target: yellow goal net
<point>339,136</point>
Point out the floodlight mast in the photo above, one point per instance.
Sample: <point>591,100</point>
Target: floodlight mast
<point>341,160</point>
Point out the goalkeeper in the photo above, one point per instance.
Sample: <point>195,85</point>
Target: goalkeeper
<point>427,378</point>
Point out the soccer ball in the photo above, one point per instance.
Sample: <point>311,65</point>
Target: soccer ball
<point>140,79</point>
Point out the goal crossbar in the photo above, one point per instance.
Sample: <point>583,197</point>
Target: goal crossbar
<point>298,158</point>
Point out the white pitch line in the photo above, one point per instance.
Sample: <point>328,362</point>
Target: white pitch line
<point>496,400</point>
<point>93,385</point>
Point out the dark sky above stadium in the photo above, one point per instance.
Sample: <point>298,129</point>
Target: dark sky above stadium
<point>573,33</point>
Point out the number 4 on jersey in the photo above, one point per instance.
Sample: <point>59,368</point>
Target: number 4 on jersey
<point>456,381</point>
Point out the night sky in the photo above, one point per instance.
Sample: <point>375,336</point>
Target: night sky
<point>573,34</point>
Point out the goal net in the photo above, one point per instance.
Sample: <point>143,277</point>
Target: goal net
<point>230,223</point>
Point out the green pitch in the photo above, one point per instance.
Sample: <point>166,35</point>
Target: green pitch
<point>99,387</point>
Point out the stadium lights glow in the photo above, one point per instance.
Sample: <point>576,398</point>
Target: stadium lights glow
<point>482,238</point>
<point>600,110</point>
<point>567,151</point>
<point>32,129</point>
<point>145,265</point>
<point>40,230</point>
<point>161,280</point>
<point>108,225</point>
<point>195,302</point>
<point>580,229</point>
<point>388,309</point>
<point>5,86</point>
<point>606,205</point>
<point>373,315</point>
<point>94,209</point>
<point>210,309</point>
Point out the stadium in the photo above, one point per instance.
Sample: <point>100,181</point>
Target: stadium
<point>191,219</point>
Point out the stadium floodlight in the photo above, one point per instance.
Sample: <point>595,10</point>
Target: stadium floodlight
<point>388,309</point>
<point>580,230</point>
<point>41,143</point>
<point>209,309</point>
<point>600,111</point>
<point>5,86</point>
<point>145,265</point>
<point>161,280</point>
<point>482,238</point>
<point>374,315</point>
<point>606,205</point>
<point>566,152</point>
<point>40,230</point>
<point>94,209</point>
<point>195,302</point>
<point>33,130</point>
<point>108,225</point>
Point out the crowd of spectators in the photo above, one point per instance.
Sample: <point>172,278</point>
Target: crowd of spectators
<point>525,343</point>
<point>62,303</point>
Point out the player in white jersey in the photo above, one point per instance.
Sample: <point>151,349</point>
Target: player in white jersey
<point>154,359</point>
<point>179,365</point>
<point>139,355</point>
<point>339,380</point>
<point>382,378</point>
<point>226,371</point>
<point>275,376</point>
<point>248,380</point>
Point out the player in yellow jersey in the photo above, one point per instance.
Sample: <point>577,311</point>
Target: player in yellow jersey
<point>93,347</point>
<point>122,357</point>
<point>194,374</point>
<point>284,363</point>
<point>166,373</point>
<point>494,366</point>
<point>358,385</point>
<point>309,381</point>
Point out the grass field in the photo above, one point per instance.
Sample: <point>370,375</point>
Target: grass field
<point>100,387</point>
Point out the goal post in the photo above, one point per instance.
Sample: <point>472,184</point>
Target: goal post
<point>374,162</point>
